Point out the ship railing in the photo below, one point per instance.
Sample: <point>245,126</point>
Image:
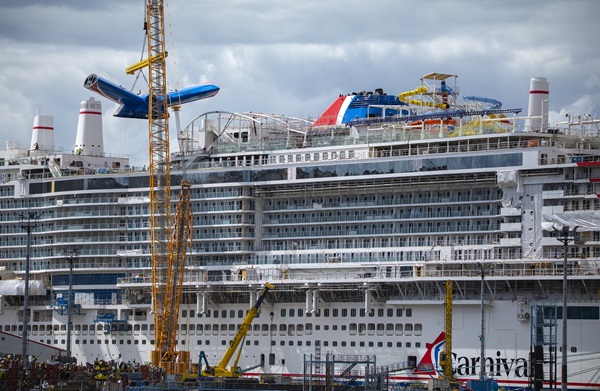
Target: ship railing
<point>380,218</point>
<point>389,202</point>
<point>451,270</point>
<point>380,134</point>
<point>134,280</point>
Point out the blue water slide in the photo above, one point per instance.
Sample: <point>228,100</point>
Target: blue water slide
<point>445,89</point>
<point>494,104</point>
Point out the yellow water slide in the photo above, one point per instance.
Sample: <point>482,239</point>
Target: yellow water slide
<point>418,91</point>
<point>404,97</point>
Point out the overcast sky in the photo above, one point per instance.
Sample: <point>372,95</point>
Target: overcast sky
<point>289,56</point>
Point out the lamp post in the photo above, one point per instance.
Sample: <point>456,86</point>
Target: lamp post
<point>482,336</point>
<point>72,254</point>
<point>568,235</point>
<point>27,223</point>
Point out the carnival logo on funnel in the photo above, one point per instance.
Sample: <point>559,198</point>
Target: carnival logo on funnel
<point>430,360</point>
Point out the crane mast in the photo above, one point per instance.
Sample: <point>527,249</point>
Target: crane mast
<point>446,361</point>
<point>182,237</point>
<point>164,354</point>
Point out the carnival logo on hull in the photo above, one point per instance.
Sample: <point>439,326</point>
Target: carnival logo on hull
<point>430,360</point>
<point>499,366</point>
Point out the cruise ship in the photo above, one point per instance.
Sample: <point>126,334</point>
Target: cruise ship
<point>359,219</point>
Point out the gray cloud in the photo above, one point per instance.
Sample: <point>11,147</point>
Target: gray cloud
<point>290,57</point>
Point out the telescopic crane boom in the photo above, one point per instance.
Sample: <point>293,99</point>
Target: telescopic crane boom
<point>220,370</point>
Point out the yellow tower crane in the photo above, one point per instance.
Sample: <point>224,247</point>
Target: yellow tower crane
<point>168,246</point>
<point>164,353</point>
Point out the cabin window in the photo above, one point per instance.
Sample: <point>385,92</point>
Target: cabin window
<point>399,329</point>
<point>418,329</point>
<point>353,328</point>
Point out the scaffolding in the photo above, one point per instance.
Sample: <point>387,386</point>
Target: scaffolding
<point>341,372</point>
<point>544,329</point>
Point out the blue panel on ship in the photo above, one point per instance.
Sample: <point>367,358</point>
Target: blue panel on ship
<point>362,106</point>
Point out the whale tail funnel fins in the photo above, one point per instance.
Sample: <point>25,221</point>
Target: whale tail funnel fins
<point>136,106</point>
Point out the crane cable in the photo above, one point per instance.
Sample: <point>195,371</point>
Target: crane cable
<point>173,56</point>
<point>143,54</point>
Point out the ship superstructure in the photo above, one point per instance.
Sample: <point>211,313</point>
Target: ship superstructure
<point>358,220</point>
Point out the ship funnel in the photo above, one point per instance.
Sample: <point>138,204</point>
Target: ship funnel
<point>89,140</point>
<point>42,136</point>
<point>538,105</point>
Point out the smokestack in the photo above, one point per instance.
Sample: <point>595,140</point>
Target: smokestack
<point>42,136</point>
<point>538,105</point>
<point>89,140</point>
